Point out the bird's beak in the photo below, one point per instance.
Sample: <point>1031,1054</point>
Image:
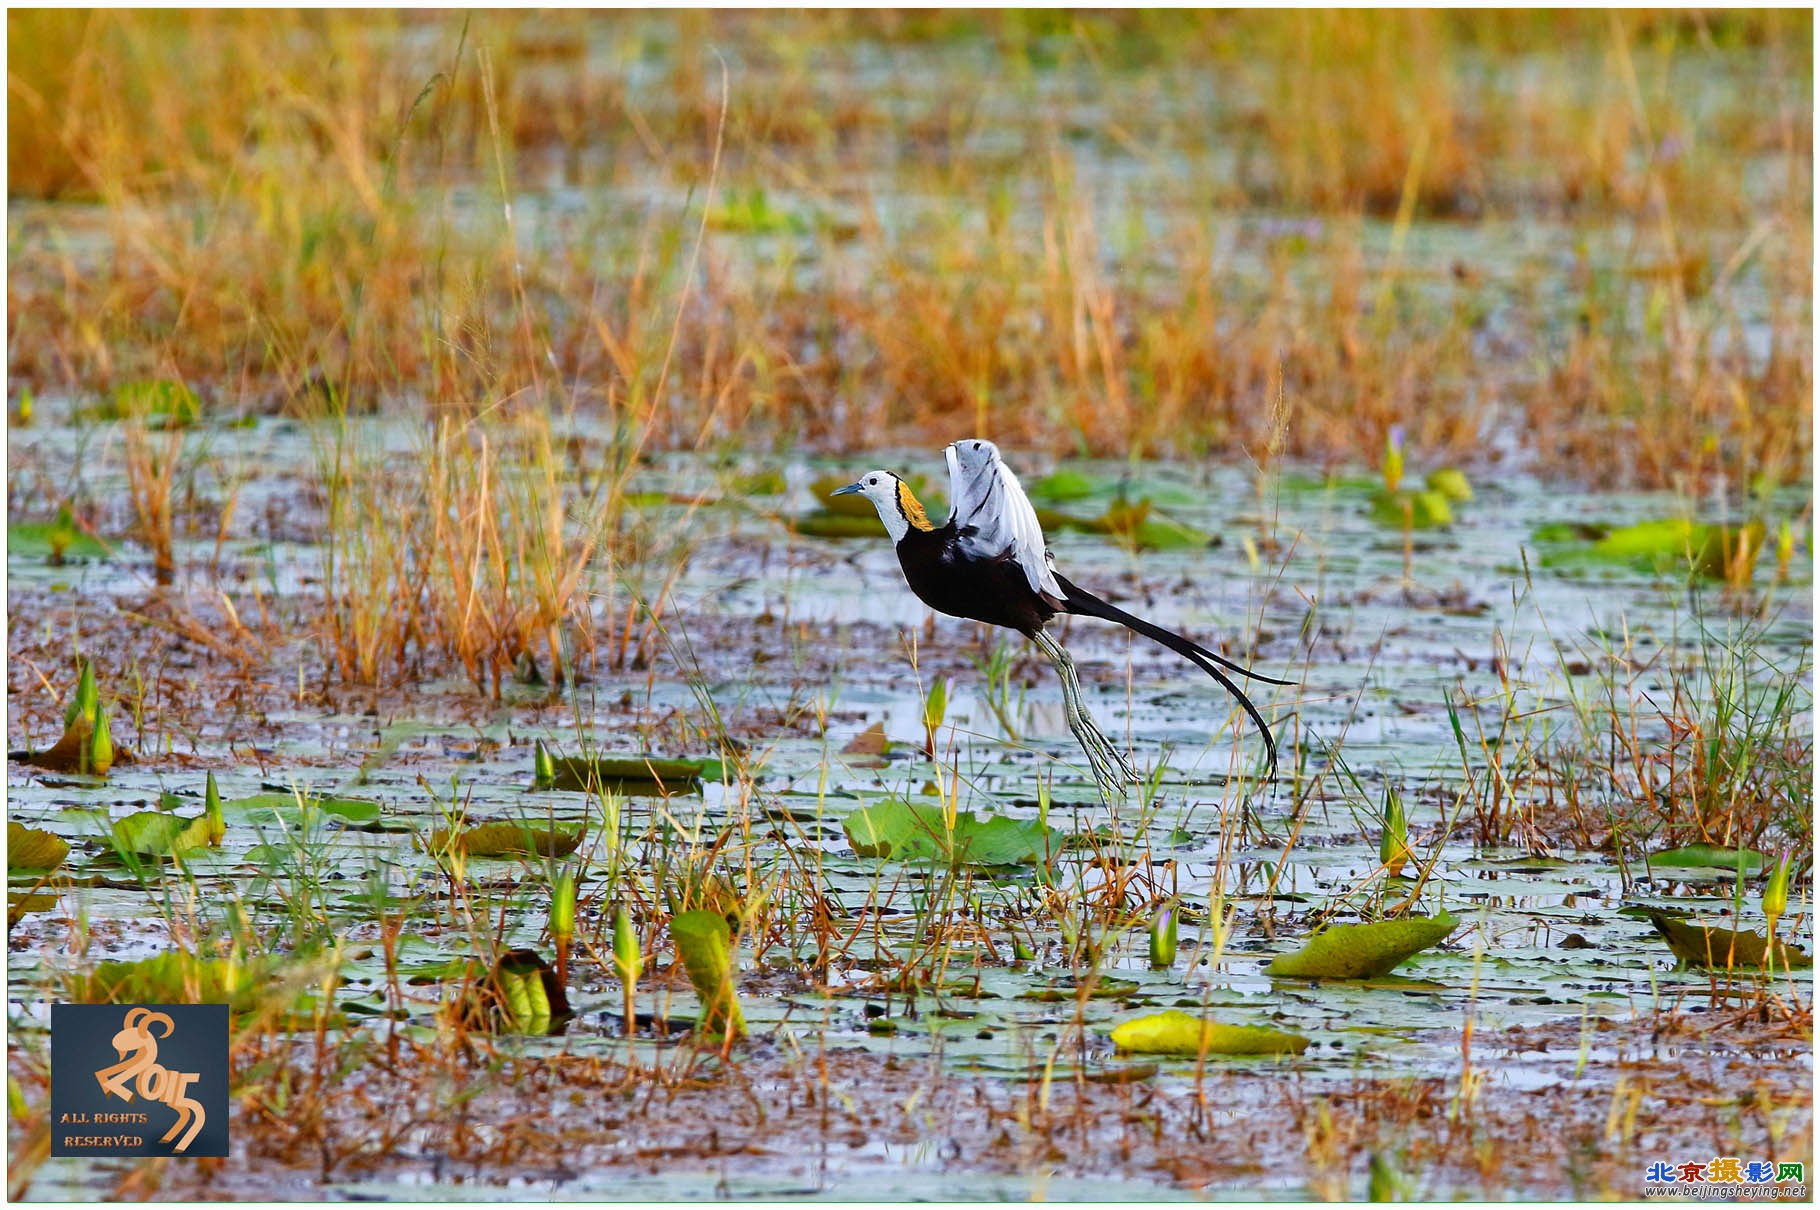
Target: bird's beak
<point>847,490</point>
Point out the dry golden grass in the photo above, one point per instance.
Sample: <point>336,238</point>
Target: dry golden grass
<point>311,203</point>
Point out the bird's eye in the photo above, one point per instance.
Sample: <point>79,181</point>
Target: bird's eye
<point>976,445</point>
<point>872,482</point>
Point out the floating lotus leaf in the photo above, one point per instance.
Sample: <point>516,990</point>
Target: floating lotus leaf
<point>1362,951</point>
<point>1102,989</point>
<point>19,906</point>
<point>271,806</point>
<point>1676,545</point>
<point>1451,483</point>
<point>1722,948</point>
<point>56,541</point>
<point>870,742</point>
<point>1062,486</point>
<point>161,399</point>
<point>162,834</point>
<point>33,848</point>
<point>905,831</point>
<point>1417,510</point>
<point>636,775</point>
<point>172,978</point>
<point>760,483</point>
<point>1706,858</point>
<point>1179,1033</point>
<point>506,840</point>
<point>829,524</point>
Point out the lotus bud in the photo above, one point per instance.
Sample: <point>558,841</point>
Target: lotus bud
<point>1393,458</point>
<point>100,757</point>
<point>626,959</point>
<point>1775,891</point>
<point>562,907</point>
<point>543,768</point>
<point>87,701</point>
<point>1163,936</point>
<point>211,810</point>
<point>1393,845</point>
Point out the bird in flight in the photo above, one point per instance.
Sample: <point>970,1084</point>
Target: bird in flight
<point>989,562</point>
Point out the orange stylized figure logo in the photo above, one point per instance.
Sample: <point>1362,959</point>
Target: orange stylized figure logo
<point>151,1081</point>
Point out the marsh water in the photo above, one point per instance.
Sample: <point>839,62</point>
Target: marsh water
<point>805,644</point>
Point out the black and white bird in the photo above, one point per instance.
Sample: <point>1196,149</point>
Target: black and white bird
<point>989,562</point>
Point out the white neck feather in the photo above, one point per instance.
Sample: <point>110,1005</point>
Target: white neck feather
<point>895,524</point>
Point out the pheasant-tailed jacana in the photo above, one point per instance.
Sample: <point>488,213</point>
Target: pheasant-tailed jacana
<point>989,562</point>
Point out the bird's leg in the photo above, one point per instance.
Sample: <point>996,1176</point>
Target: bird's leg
<point>1110,769</point>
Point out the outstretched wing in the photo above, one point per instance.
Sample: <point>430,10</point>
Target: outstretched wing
<point>993,518</point>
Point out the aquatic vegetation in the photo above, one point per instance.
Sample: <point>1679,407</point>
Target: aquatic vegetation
<point>703,943</point>
<point>906,831</point>
<point>421,423</point>
<point>33,848</point>
<point>1363,951</point>
<point>1725,949</point>
<point>1178,1033</point>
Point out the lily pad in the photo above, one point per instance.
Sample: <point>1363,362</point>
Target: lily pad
<point>1676,545</point>
<point>1707,858</point>
<point>905,831</point>
<point>172,978</point>
<point>162,834</point>
<point>1451,483</point>
<point>33,848</point>
<point>56,541</point>
<point>826,523</point>
<point>1178,1033</point>
<point>278,805</point>
<point>161,399</point>
<point>1699,946</point>
<point>1362,951</point>
<point>1418,510</point>
<point>19,906</point>
<point>1102,989</point>
<point>506,840</point>
<point>640,775</point>
<point>1061,487</point>
<point>759,483</point>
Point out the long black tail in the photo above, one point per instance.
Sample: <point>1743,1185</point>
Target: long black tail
<point>1080,601</point>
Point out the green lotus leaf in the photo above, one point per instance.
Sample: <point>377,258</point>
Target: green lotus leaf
<point>1362,951</point>
<point>1179,1033</point>
<point>1696,945</point>
<point>506,840</point>
<point>905,831</point>
<point>33,848</point>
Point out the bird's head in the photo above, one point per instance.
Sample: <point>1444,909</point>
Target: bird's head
<point>968,458</point>
<point>897,507</point>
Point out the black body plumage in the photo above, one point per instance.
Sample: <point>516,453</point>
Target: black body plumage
<point>950,580</point>
<point>989,562</point>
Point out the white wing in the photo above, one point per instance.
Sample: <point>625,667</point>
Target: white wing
<point>994,517</point>
<point>966,485</point>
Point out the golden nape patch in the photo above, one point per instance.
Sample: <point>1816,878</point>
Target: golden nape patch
<point>913,511</point>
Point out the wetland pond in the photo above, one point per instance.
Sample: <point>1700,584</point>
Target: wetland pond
<point>1548,717</point>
